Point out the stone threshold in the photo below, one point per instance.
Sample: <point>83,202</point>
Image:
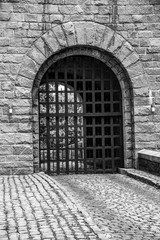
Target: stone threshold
<point>141,176</point>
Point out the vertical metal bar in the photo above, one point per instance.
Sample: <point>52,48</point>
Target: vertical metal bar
<point>84,118</point>
<point>57,121</point>
<point>66,120</point>
<point>75,121</point>
<point>47,123</point>
<point>112,133</point>
<point>103,145</point>
<point>93,118</point>
<point>102,119</point>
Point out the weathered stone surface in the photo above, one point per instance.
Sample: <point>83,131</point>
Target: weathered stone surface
<point>115,43</point>
<point>43,47</point>
<point>21,110</point>
<point>25,127</point>
<point>7,85</point>
<point>6,150</point>
<point>6,138</point>
<point>22,92</point>
<point>90,34</point>
<point>8,128</point>
<point>24,82</point>
<point>36,55</point>
<point>135,69</point>
<point>106,40</point>
<point>141,92</point>
<point>29,68</point>
<point>4,68</point>
<point>23,138</point>
<point>144,128</point>
<point>80,33</point>
<point>5,16</point>
<point>142,110</point>
<point>124,51</point>
<point>60,36</point>
<point>22,150</point>
<point>69,31</point>
<point>4,42</point>
<point>31,32</point>
<point>50,41</point>
<point>100,32</point>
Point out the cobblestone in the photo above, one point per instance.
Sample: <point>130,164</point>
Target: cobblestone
<point>121,207</point>
<point>34,207</point>
<point>106,207</point>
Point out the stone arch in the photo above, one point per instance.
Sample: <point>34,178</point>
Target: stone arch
<point>81,34</point>
<point>90,39</point>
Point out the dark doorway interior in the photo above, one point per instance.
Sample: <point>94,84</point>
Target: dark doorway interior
<point>80,118</point>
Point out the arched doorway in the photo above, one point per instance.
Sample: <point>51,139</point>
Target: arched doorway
<point>80,117</point>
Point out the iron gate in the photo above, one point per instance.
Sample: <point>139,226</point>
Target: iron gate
<point>80,120</point>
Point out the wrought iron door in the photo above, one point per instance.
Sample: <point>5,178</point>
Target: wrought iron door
<point>80,118</point>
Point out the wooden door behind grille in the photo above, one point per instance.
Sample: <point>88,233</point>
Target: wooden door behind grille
<point>80,118</point>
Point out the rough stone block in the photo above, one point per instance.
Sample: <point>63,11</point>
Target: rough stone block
<point>22,150</point>
<point>99,35</point>
<point>17,17</point>
<point>60,36</point>
<point>22,92</point>
<point>50,41</point>
<point>30,17</point>
<point>115,43</point>
<point>56,18</point>
<point>4,68</point>
<point>24,82</point>
<point>102,19</point>
<point>7,85</point>
<point>25,127</point>
<point>147,137</point>
<point>8,127</point>
<point>4,41</point>
<point>135,69</point>
<point>130,59</point>
<point>43,47</point>
<point>22,110</point>
<point>141,101</point>
<point>144,128</point>
<point>69,31</point>
<point>7,138</point>
<point>80,31</point>
<point>23,138</point>
<point>90,33</point>
<point>155,42</point>
<point>5,16</point>
<point>36,55</point>
<point>124,51</point>
<point>15,58</point>
<point>68,9</point>
<point>29,68</point>
<point>6,150</point>
<point>107,38</point>
<point>142,110</point>
<point>125,19</point>
<point>34,33</point>
<point>141,92</point>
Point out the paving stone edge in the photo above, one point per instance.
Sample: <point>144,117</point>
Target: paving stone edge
<point>138,176</point>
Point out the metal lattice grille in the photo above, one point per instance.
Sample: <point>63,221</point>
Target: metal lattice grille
<point>80,117</point>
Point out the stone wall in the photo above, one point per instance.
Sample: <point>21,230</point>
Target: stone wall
<point>23,23</point>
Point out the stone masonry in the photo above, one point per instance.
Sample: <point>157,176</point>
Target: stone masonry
<point>127,32</point>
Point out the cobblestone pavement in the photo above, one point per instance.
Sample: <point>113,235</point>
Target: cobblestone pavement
<point>36,207</point>
<point>122,207</point>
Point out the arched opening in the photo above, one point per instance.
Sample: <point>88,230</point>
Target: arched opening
<point>80,117</point>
